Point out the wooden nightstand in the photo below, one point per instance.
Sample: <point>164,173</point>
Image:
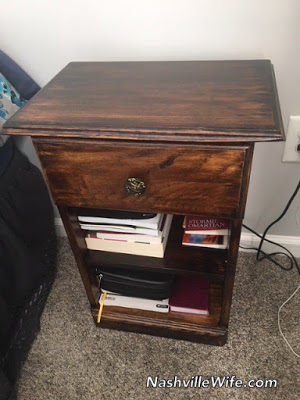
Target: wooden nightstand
<point>187,130</point>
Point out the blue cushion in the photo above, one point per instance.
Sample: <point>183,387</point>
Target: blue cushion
<point>17,77</point>
<point>10,102</point>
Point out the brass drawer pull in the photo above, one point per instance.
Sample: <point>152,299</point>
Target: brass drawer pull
<point>135,186</point>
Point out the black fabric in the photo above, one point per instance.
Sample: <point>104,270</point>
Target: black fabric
<point>6,389</point>
<point>6,152</point>
<point>27,259</point>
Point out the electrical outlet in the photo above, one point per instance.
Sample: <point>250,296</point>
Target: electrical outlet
<point>291,152</point>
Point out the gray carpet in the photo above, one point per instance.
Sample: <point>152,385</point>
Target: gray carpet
<point>72,359</point>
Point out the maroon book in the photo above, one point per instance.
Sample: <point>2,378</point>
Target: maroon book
<point>190,295</point>
<point>208,226</point>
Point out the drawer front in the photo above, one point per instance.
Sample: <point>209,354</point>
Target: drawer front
<point>180,180</point>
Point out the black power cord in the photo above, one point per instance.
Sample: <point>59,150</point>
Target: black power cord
<point>292,260</point>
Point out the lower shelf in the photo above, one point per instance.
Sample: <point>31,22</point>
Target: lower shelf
<point>195,328</point>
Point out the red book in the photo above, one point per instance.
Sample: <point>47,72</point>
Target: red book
<point>190,295</point>
<point>205,226</point>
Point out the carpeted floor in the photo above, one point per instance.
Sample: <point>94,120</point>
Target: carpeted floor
<point>72,359</point>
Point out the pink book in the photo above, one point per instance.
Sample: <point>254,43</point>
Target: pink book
<point>190,295</point>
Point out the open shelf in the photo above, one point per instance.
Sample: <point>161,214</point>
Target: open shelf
<point>201,261</point>
<point>180,326</point>
<point>178,259</point>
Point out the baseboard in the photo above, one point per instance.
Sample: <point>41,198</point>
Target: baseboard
<point>292,243</point>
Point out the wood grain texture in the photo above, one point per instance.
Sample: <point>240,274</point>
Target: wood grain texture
<point>187,101</point>
<point>186,129</point>
<point>179,180</point>
<point>233,251</point>
<point>78,246</point>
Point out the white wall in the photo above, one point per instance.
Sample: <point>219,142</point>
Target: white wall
<point>43,36</point>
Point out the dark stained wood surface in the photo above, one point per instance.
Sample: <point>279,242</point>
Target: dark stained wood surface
<point>77,242</point>
<point>184,101</point>
<point>187,130</point>
<point>233,252</point>
<point>179,180</point>
<point>174,325</point>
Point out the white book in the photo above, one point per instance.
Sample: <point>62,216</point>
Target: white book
<point>135,236</point>
<point>118,300</point>
<point>130,237</point>
<point>120,229</point>
<point>152,223</point>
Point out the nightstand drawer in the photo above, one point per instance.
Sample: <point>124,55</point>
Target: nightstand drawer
<point>170,179</point>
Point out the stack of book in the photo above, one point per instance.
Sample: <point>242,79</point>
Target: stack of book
<point>138,289</point>
<point>133,233</point>
<point>205,232</point>
<point>190,295</point>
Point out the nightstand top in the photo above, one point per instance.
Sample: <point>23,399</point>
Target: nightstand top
<point>173,101</point>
